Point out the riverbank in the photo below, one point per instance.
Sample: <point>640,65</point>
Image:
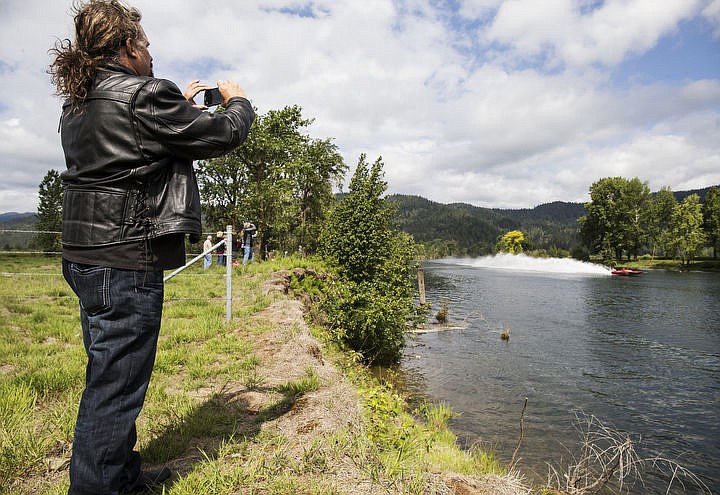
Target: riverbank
<point>703,264</point>
<point>262,404</point>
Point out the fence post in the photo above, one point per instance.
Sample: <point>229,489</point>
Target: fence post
<point>228,272</point>
<point>421,285</point>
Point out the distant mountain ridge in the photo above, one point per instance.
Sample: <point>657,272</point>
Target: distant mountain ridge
<point>13,216</point>
<point>474,230</point>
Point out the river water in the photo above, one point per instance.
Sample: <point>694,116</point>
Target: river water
<point>641,354</point>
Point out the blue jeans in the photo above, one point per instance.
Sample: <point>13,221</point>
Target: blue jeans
<point>120,313</point>
<point>207,261</point>
<point>248,254</point>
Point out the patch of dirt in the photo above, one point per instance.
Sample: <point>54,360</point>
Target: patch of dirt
<point>289,353</point>
<point>485,485</point>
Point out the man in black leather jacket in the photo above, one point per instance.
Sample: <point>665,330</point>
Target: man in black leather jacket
<point>130,198</point>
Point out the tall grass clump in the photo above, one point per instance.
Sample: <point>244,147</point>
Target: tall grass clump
<point>406,445</point>
<point>41,366</point>
<point>20,444</point>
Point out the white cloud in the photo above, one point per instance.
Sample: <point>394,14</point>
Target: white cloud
<point>499,103</point>
<point>559,30</point>
<point>19,199</point>
<point>712,14</point>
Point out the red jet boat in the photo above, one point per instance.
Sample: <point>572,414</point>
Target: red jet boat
<point>626,271</point>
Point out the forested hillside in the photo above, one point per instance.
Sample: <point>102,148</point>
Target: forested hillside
<point>463,229</point>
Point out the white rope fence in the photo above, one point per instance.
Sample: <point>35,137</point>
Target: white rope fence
<point>36,232</point>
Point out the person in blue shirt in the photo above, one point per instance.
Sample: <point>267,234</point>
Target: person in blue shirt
<point>248,234</point>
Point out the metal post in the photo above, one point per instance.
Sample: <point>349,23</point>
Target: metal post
<point>228,272</point>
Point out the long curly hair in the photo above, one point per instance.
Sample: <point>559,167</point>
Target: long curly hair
<point>101,28</point>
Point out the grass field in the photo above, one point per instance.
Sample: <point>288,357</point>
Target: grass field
<point>230,406</point>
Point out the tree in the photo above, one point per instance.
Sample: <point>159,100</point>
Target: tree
<point>280,179</point>
<point>662,207</point>
<point>686,229</point>
<point>49,222</point>
<point>511,242</point>
<point>371,305</point>
<point>711,218</point>
<point>615,222</point>
<point>634,203</point>
<point>358,233</point>
<point>319,167</point>
<point>599,229</point>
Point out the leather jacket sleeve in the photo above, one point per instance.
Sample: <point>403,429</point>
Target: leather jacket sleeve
<point>167,124</point>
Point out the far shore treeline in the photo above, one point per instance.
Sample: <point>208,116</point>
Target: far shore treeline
<point>623,220</point>
<point>439,229</point>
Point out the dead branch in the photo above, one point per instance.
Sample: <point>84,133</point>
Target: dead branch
<point>522,433</point>
<point>606,455</point>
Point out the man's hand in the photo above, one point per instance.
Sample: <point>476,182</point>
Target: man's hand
<point>230,89</point>
<point>194,88</point>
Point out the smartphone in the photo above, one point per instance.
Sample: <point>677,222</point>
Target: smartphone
<point>213,97</point>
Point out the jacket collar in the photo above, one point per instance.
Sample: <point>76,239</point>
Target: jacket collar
<point>113,66</point>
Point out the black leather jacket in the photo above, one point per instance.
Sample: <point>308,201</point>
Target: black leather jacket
<point>129,154</point>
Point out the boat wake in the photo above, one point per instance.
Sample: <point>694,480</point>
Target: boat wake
<point>521,262</point>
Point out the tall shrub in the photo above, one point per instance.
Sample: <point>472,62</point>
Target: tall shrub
<point>371,305</point>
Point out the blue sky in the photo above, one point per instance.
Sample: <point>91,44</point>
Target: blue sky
<point>689,53</point>
<point>498,103</point>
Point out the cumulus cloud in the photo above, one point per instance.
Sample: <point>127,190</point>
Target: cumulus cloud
<point>712,14</point>
<point>501,103</point>
<point>569,33</point>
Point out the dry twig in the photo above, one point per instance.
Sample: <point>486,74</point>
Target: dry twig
<point>608,455</point>
<point>522,434</point>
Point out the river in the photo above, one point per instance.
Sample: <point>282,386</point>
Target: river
<point>641,354</point>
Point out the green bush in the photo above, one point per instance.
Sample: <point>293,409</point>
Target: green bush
<point>370,304</point>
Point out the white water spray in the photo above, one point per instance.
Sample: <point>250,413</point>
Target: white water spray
<point>521,262</point>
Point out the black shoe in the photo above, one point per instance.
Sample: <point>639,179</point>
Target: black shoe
<point>149,479</point>
<point>154,477</point>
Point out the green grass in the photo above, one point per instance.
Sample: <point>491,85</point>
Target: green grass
<point>308,383</point>
<point>190,410</point>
